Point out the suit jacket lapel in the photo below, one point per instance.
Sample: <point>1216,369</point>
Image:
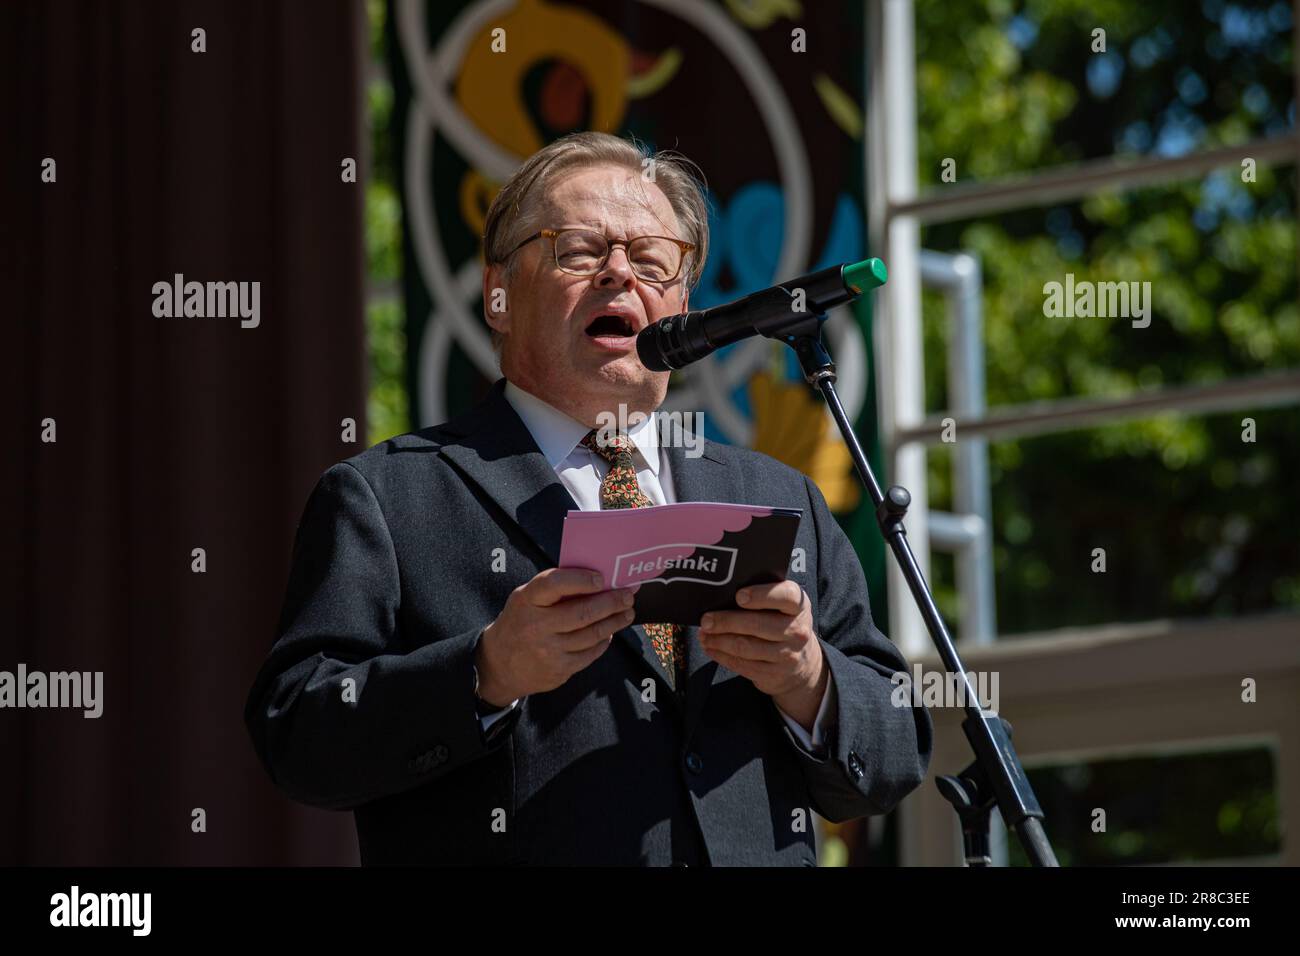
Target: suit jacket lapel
<point>492,447</point>
<point>708,477</point>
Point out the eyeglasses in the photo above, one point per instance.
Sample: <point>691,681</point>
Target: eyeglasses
<point>582,252</point>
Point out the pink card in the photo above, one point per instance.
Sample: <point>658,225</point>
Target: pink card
<point>689,558</point>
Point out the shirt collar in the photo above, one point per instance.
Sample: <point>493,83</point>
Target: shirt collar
<point>556,434</point>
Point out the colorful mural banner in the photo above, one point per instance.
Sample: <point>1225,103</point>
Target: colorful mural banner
<point>767,96</point>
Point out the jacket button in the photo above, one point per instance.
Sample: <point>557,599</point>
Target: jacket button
<point>434,757</point>
<point>694,763</point>
<point>855,765</point>
<point>420,764</point>
<point>680,863</point>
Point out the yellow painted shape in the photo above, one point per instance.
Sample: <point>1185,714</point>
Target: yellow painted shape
<point>757,14</point>
<point>846,113</point>
<point>791,425</point>
<point>489,88</point>
<point>476,194</point>
<point>655,78</point>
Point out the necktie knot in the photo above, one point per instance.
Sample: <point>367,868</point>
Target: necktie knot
<point>606,446</point>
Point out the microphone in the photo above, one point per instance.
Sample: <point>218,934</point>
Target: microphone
<point>679,340</point>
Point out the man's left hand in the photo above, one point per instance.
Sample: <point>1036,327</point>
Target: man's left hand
<point>772,643</point>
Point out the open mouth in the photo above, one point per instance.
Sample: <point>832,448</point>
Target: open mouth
<point>610,326</point>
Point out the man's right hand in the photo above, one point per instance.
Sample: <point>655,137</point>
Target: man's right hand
<point>551,628</point>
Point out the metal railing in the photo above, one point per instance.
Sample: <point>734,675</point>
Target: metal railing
<point>895,214</point>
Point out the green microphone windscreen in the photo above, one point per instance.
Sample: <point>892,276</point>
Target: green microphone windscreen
<point>864,275</point>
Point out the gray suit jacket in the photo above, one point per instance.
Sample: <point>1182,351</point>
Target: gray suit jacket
<point>391,586</point>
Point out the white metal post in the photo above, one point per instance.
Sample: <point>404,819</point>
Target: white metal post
<point>899,365</point>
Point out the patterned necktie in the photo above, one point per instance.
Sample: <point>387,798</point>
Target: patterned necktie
<point>620,489</point>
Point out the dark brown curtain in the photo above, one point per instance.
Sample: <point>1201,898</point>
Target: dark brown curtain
<point>172,433</point>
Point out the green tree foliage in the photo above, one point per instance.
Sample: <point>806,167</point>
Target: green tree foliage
<point>388,406</point>
<point>1194,520</point>
<point>1177,808</point>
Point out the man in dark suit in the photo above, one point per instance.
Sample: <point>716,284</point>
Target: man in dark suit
<point>471,702</point>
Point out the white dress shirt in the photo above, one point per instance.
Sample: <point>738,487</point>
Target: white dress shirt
<point>581,471</point>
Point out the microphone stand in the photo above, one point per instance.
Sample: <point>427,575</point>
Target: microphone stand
<point>995,777</point>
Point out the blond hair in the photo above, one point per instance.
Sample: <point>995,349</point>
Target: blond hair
<point>511,216</point>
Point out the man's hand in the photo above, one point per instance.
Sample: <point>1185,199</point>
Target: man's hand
<point>772,643</point>
<point>551,628</point>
